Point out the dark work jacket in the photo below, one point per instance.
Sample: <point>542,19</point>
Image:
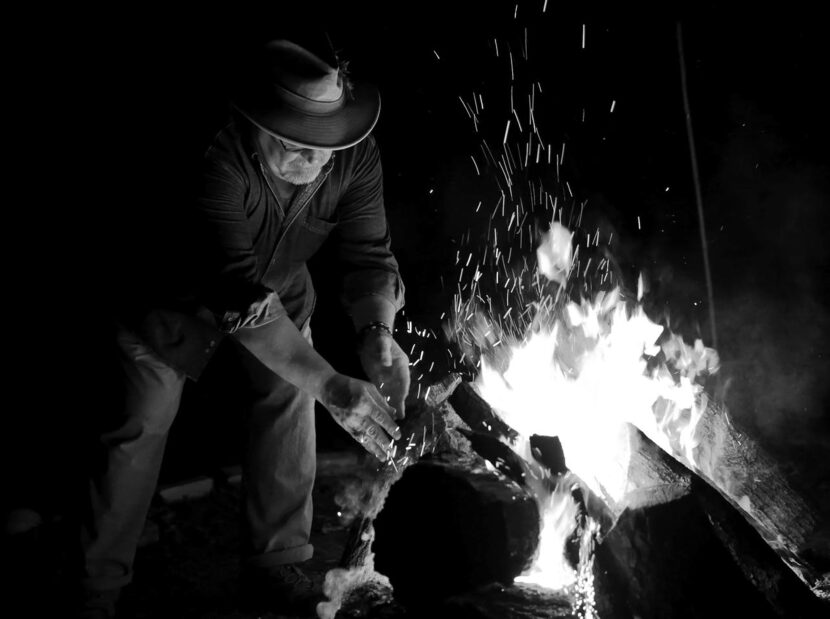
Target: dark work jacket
<point>248,259</point>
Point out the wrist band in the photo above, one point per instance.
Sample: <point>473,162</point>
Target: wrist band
<point>374,326</point>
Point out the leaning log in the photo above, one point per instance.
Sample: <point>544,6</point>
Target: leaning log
<point>477,413</point>
<point>745,473</point>
<point>787,517</point>
<point>680,549</point>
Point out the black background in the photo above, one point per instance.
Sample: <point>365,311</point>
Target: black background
<point>111,109</point>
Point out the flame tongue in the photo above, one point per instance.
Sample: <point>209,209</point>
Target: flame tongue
<point>554,254</point>
<point>550,569</point>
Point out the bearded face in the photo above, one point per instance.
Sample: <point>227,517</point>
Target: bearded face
<point>290,162</point>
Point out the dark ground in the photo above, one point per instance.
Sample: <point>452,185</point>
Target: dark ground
<point>187,565</point>
<point>114,105</point>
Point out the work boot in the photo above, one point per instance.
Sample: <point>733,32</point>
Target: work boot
<point>283,589</point>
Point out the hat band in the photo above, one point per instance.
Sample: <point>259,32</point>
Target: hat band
<point>310,106</point>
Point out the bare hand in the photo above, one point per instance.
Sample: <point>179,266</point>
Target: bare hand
<point>387,366</point>
<point>360,410</point>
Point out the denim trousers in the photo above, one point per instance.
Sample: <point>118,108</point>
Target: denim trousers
<point>278,463</point>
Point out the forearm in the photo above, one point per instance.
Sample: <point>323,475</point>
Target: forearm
<point>372,308</point>
<point>281,347</point>
<point>354,404</point>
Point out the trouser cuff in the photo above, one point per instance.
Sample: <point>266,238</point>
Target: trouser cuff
<point>281,557</point>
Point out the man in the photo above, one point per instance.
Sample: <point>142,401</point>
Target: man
<point>294,167</point>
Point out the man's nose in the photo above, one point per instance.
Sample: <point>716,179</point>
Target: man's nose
<point>313,156</point>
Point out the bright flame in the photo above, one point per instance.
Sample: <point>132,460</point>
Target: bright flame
<point>550,569</point>
<point>581,375</point>
<point>554,255</point>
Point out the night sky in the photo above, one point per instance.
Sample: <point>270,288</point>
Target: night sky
<point>146,89</point>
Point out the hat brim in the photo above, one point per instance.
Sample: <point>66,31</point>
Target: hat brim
<point>335,131</point>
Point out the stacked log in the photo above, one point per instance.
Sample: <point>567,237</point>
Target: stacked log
<point>680,549</point>
<point>444,525</point>
<point>676,534</point>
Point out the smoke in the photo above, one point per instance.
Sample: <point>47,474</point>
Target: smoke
<point>768,205</point>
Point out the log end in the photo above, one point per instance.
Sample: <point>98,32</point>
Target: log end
<point>448,527</point>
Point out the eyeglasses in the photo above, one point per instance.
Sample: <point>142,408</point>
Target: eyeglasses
<point>289,147</point>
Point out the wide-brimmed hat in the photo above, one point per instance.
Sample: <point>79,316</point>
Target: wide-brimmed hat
<point>297,96</point>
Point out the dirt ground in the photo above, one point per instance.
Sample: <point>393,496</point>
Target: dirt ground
<point>187,563</point>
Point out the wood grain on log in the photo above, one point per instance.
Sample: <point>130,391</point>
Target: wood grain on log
<point>741,468</point>
<point>680,549</point>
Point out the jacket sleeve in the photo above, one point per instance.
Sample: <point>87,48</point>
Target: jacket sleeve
<point>229,279</point>
<point>362,239</point>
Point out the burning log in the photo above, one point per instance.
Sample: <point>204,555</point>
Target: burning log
<point>487,438</point>
<point>478,414</point>
<point>787,518</point>
<point>438,521</point>
<point>679,549</point>
<point>671,522</point>
<point>450,525</point>
<point>426,429</point>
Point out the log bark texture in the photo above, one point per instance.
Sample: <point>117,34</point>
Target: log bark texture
<point>451,524</point>
<point>427,428</point>
<point>680,549</point>
<point>786,516</point>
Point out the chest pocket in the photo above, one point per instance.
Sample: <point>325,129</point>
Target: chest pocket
<point>308,236</point>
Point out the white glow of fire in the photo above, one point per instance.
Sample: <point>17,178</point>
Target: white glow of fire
<point>558,514</point>
<point>554,256</point>
<point>582,378</point>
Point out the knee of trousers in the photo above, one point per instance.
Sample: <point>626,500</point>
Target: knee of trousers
<point>153,411</point>
<point>282,398</point>
<point>152,393</point>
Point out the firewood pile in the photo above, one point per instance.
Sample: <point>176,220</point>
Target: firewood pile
<point>446,527</point>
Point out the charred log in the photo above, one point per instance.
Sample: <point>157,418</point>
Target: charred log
<point>741,468</point>
<point>478,414</point>
<point>487,438</point>
<point>547,450</point>
<point>450,525</point>
<point>516,602</point>
<point>427,428</point>
<point>498,454</point>
<point>680,549</point>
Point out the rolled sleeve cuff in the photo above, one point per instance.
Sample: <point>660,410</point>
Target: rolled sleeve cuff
<point>386,284</point>
<point>265,308</point>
